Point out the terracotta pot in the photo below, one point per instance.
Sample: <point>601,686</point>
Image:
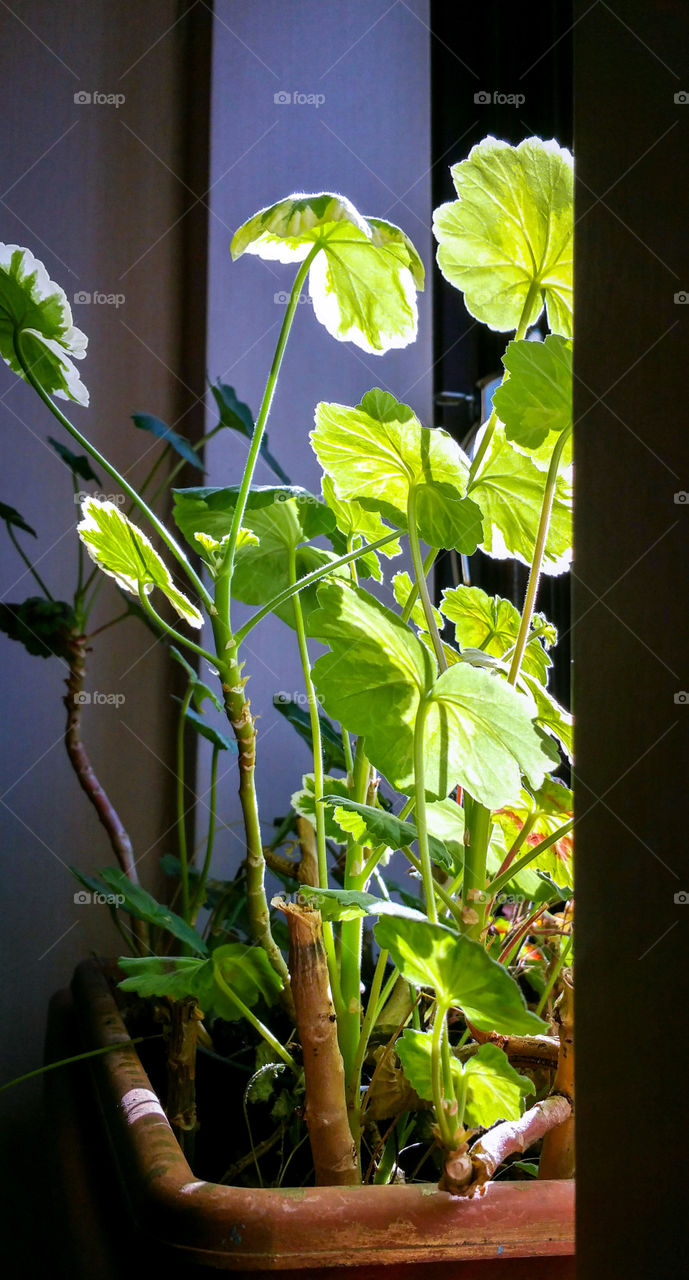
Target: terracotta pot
<point>516,1229</point>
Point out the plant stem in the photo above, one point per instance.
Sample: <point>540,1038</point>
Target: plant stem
<point>308,581</point>
<point>200,891</point>
<point>334,1151</point>
<point>539,552</point>
<point>492,423</point>
<point>478,826</point>
<point>115,475</point>
<point>318,775</point>
<point>429,885</point>
<point>421,583</point>
<point>438,1075</point>
<point>414,593</point>
<point>34,572</point>
<point>180,803</point>
<point>254,448</point>
<point>353,1085</point>
<point>79,760</point>
<point>256,1023</point>
<point>349,1018</point>
<point>176,635</point>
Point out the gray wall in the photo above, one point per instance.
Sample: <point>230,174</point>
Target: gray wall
<point>370,140</point>
<point>93,203</point>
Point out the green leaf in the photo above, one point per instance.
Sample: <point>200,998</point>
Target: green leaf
<point>78,463</point>
<point>237,416</point>
<point>491,624</point>
<point>372,827</point>
<point>535,401</point>
<point>249,973</point>
<point>553,718</point>
<point>488,1085</point>
<point>355,522</point>
<point>173,978</point>
<point>373,676</point>
<point>299,718</point>
<point>137,902</point>
<point>209,731</point>
<point>245,969</point>
<point>379,454</point>
<point>147,422</point>
<point>487,728</point>
<point>364,278</point>
<point>509,490</point>
<point>12,517</point>
<point>124,553</point>
<point>32,305</point>
<point>460,972</point>
<point>479,731</point>
<point>554,807</point>
<point>44,627</point>
<point>511,228</point>
<point>304,802</point>
<point>354,904</point>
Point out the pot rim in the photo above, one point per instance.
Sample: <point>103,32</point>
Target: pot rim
<point>240,1228</point>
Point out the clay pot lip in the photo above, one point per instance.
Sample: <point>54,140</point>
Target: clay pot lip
<point>274,1229</point>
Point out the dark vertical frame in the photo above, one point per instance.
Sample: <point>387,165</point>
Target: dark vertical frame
<point>631,637</point>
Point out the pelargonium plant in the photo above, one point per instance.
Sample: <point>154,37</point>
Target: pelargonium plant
<point>410,1026</point>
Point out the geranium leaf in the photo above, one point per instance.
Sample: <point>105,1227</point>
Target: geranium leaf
<point>371,826</point>
<point>299,718</point>
<point>461,973</point>
<point>511,229</point>
<point>124,553</point>
<point>553,805</point>
<point>509,490</point>
<point>237,416</point>
<point>490,1088</point>
<point>44,627</point>
<point>535,402</point>
<point>78,463</point>
<point>148,422</point>
<point>135,900</point>
<point>353,904</point>
<point>364,278</point>
<point>379,453</point>
<point>491,624</point>
<point>32,305</point>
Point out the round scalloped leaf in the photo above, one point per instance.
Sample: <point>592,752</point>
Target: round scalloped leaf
<point>33,305</point>
<point>511,228</point>
<point>364,279</point>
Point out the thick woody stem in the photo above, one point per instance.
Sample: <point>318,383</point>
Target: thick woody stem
<point>181,1036</point>
<point>79,760</point>
<point>557,1156</point>
<point>238,710</point>
<point>536,1050</point>
<point>332,1146</point>
<point>467,1171</point>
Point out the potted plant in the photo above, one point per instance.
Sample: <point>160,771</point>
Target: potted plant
<point>415,1038</point>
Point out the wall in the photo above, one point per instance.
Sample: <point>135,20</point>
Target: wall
<point>98,192</point>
